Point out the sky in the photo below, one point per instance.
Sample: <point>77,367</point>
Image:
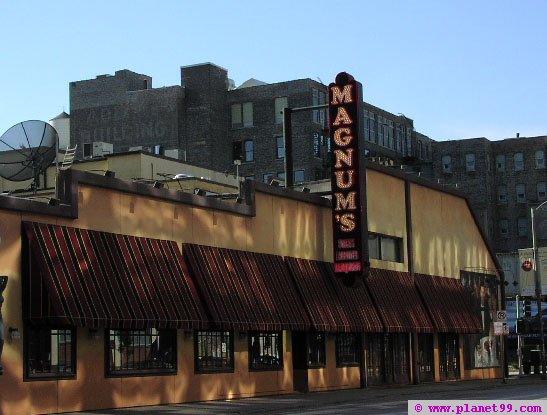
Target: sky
<point>459,69</point>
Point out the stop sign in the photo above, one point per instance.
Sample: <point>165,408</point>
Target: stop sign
<point>527,265</point>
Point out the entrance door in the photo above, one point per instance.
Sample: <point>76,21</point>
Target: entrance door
<point>425,357</point>
<point>449,352</point>
<point>299,360</point>
<point>400,357</point>
<point>375,358</point>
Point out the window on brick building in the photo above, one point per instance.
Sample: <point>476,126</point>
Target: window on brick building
<point>521,193</point>
<point>522,225</point>
<point>504,228</point>
<point>384,247</point>
<point>267,177</point>
<point>298,176</point>
<point>242,115</point>
<point>280,147</point>
<point>50,352</point>
<point>502,193</point>
<point>470,162</point>
<point>519,161</point>
<point>248,148</point>
<point>500,162</point>
<point>318,98</point>
<point>348,350</point>
<point>214,351</point>
<point>280,103</point>
<point>447,164</point>
<point>265,350</point>
<point>541,191</point>
<point>540,159</point>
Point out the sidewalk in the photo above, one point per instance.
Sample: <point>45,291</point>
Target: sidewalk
<point>301,401</point>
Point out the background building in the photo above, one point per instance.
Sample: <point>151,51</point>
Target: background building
<point>200,120</point>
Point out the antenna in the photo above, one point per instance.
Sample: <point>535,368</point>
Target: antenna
<point>26,150</point>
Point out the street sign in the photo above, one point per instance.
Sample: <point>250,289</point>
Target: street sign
<point>501,316</point>
<point>501,329</point>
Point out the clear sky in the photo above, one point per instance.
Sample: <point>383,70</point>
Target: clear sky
<point>460,69</point>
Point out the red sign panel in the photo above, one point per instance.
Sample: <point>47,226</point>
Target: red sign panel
<point>527,265</point>
<point>348,179</point>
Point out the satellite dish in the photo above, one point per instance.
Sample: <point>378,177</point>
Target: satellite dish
<point>27,149</point>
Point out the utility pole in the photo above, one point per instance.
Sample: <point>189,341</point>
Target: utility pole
<point>538,289</point>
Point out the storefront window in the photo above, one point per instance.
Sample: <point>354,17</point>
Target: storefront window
<point>347,349</point>
<point>265,350</point>
<point>316,350</point>
<point>147,351</point>
<point>214,351</point>
<point>50,353</point>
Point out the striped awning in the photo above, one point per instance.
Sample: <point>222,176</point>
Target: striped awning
<point>331,306</point>
<point>97,279</point>
<point>449,304</point>
<point>246,290</point>
<point>398,302</point>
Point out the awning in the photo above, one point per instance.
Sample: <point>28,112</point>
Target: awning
<point>398,302</point>
<point>450,305</point>
<point>246,290</point>
<point>331,306</point>
<point>97,279</point>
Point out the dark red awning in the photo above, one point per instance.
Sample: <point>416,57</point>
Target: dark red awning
<point>450,305</point>
<point>246,290</point>
<point>398,302</point>
<point>331,306</point>
<point>97,279</point>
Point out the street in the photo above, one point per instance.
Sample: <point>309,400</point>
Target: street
<point>374,400</point>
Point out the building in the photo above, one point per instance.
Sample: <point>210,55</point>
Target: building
<point>124,294</point>
<point>503,180</point>
<point>201,120</point>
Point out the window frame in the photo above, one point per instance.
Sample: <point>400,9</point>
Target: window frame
<point>239,109</point>
<point>217,334</point>
<point>537,159</point>
<point>446,167</point>
<point>506,233</point>
<point>140,372</point>
<point>27,334</point>
<point>319,346</point>
<point>500,162</point>
<point>470,163</point>
<point>278,108</point>
<point>246,152</point>
<point>297,171</point>
<point>502,195</point>
<point>253,367</point>
<point>520,221</point>
<point>378,237</point>
<point>357,345</point>
<point>279,147</point>
<point>520,186</point>
<point>540,185</point>
<point>518,164</point>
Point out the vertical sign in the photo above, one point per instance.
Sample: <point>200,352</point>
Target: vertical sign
<point>349,203</point>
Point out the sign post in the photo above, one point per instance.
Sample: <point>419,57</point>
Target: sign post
<point>348,181</point>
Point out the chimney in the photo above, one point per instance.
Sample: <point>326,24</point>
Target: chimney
<point>518,135</point>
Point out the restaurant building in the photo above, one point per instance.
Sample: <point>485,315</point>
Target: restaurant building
<point>123,294</point>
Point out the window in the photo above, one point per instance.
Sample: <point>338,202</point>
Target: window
<point>318,98</point>
<point>521,193</point>
<point>50,352</point>
<point>504,228</point>
<point>316,350</point>
<point>242,115</point>
<point>347,349</point>
<point>541,191</point>
<point>250,177</point>
<point>500,162</point>
<point>371,125</point>
<point>420,149</point>
<point>522,224</point>
<point>265,350</point>
<point>280,145</point>
<point>88,150</point>
<point>141,352</point>
<point>280,103</point>
<point>540,159</point>
<point>380,130</point>
<point>470,162</point>
<point>385,248</point>
<point>519,161</point>
<point>249,150</point>
<point>298,176</point>
<point>447,164</point>
<point>214,351</point>
<point>502,193</point>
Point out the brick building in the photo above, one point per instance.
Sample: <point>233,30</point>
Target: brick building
<point>503,180</point>
<point>199,121</point>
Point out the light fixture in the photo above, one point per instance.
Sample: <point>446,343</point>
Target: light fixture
<point>158,185</point>
<point>274,183</point>
<point>239,200</point>
<point>199,192</point>
<point>14,333</point>
<point>109,173</point>
<point>53,202</point>
<point>305,190</point>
